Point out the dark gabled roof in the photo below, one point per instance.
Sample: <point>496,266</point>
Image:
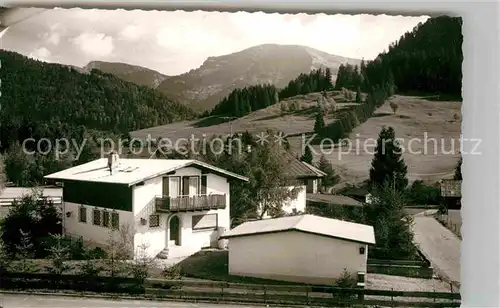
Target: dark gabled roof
<point>298,169</point>
<point>332,199</point>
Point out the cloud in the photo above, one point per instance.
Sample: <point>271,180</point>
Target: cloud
<point>132,32</point>
<point>42,54</point>
<point>174,42</point>
<point>94,44</point>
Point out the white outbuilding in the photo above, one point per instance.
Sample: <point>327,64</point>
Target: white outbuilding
<point>303,248</point>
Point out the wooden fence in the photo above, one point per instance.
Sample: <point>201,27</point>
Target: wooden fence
<point>231,292</point>
<point>408,268</point>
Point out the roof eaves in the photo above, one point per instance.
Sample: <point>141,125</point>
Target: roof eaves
<point>298,230</point>
<point>187,164</point>
<point>152,176</point>
<point>229,173</point>
<point>318,172</point>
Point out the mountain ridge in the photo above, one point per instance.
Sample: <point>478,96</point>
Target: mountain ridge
<point>137,74</point>
<point>203,87</point>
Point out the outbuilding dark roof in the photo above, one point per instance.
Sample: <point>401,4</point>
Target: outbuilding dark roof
<point>299,169</point>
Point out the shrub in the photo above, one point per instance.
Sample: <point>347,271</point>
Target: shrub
<point>442,210</point>
<point>172,272</point>
<point>76,248</point>
<point>345,281</point>
<point>37,216</point>
<point>59,254</point>
<point>421,194</point>
<point>25,254</point>
<point>4,258</point>
<point>294,106</point>
<point>91,267</point>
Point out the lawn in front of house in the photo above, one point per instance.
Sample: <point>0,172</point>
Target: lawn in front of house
<point>213,265</point>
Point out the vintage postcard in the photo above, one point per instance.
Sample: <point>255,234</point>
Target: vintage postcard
<point>294,155</point>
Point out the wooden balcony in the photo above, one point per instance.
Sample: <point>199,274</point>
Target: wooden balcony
<point>167,204</point>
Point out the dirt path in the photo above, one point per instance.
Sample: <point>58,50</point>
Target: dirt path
<point>440,246</point>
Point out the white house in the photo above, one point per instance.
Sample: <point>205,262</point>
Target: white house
<point>304,248</point>
<point>175,207</point>
<point>302,176</point>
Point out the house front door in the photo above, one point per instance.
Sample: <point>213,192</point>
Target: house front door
<point>174,230</point>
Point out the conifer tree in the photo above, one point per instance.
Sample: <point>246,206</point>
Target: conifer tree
<point>319,124</point>
<point>328,79</point>
<point>358,96</point>
<point>388,166</point>
<point>330,178</point>
<point>307,156</point>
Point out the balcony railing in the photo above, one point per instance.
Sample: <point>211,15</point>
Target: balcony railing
<point>190,203</point>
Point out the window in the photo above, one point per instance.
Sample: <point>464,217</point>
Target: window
<point>203,189</point>
<point>115,220</point>
<point>361,250</point>
<point>96,217</point>
<point>174,186</point>
<point>185,186</point>
<point>190,185</point>
<point>83,214</point>
<point>204,222</point>
<point>154,221</point>
<point>105,219</point>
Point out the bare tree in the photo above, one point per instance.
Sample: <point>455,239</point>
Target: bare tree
<point>143,263</point>
<point>118,251</point>
<point>394,107</point>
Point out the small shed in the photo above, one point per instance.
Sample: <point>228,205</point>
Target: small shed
<point>303,248</point>
<point>451,191</point>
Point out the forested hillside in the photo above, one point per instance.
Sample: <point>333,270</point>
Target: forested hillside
<point>241,102</point>
<point>316,81</point>
<point>426,60</point>
<point>43,100</point>
<point>39,98</point>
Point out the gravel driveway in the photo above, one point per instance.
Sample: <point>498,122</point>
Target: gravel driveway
<point>439,245</point>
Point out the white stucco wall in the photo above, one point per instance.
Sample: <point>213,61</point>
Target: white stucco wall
<point>96,234</point>
<point>295,256</point>
<point>190,241</point>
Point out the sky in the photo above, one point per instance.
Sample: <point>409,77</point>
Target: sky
<point>175,42</point>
